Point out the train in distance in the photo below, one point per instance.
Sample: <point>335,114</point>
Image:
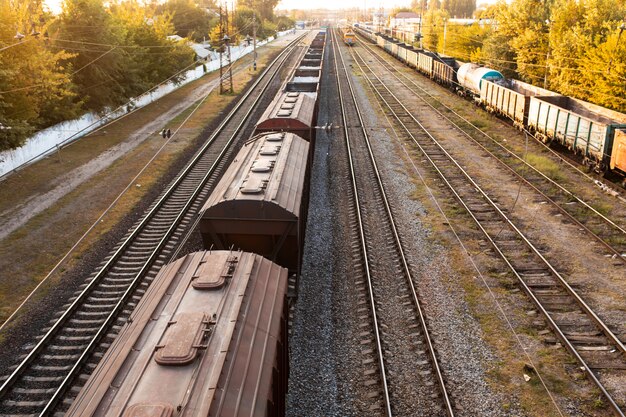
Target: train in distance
<point>595,134</point>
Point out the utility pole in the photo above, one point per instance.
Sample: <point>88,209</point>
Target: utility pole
<point>226,82</point>
<point>545,75</point>
<point>445,27</point>
<point>421,20</point>
<point>254,42</point>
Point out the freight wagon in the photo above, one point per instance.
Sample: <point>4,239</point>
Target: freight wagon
<point>209,338</point>
<point>510,98</point>
<point>260,204</point>
<point>592,131</point>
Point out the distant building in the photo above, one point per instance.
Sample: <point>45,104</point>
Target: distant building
<point>202,51</point>
<point>405,26</point>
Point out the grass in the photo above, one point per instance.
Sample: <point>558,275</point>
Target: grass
<point>545,165</point>
<point>479,123</point>
<point>36,247</point>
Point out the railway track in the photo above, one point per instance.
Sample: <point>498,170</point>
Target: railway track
<point>410,380</point>
<point>64,355</point>
<point>592,343</point>
<point>609,232</point>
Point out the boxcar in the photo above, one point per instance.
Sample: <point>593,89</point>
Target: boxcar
<point>511,99</point>
<point>207,339</point>
<point>587,129</point>
<point>260,204</point>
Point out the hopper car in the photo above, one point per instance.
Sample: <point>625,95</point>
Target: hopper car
<point>296,106</point>
<point>260,203</point>
<point>595,133</point>
<point>209,338</point>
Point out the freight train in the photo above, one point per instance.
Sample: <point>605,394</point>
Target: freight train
<point>596,134</point>
<point>209,337</point>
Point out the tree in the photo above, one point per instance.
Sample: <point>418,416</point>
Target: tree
<point>151,58</point>
<point>433,27</point>
<point>35,86</point>
<point>459,8</point>
<point>284,23</point>
<point>190,20</point>
<point>264,7</point>
<point>99,67</point>
<point>579,37</point>
<point>466,41</point>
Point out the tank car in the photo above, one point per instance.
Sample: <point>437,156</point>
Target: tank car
<point>260,204</point>
<point>471,76</point>
<point>207,339</point>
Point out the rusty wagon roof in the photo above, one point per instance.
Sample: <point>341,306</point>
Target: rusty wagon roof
<point>289,111</point>
<point>206,320</point>
<point>265,180</point>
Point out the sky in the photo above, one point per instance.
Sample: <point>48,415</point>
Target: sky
<point>340,4</point>
<point>55,5</point>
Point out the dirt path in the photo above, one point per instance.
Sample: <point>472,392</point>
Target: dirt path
<point>17,216</point>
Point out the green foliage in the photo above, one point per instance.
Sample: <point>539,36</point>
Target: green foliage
<point>100,65</point>
<point>460,8</point>
<point>35,87</point>
<point>264,7</point>
<point>284,23</point>
<point>189,19</point>
<point>572,47</point>
<point>97,55</point>
<point>89,58</point>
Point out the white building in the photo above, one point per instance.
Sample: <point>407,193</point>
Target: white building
<point>405,26</point>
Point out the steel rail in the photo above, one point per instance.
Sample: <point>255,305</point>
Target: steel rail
<point>510,152</point>
<point>569,289</point>
<point>136,230</point>
<point>610,335</point>
<point>407,272</point>
<point>379,347</point>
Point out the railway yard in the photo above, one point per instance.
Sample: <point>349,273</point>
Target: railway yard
<point>346,237</point>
